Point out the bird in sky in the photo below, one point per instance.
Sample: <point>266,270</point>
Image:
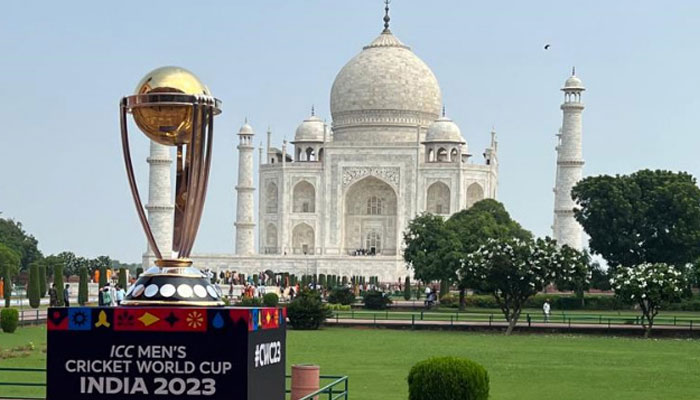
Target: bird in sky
<point>546,46</point>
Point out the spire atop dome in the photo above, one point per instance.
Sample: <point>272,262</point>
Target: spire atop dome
<point>443,110</point>
<point>573,71</point>
<point>313,110</point>
<point>386,16</point>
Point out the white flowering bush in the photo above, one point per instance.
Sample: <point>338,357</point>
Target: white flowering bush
<point>513,270</point>
<point>651,286</point>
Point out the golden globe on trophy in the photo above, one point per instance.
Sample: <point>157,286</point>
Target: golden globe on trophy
<point>174,108</point>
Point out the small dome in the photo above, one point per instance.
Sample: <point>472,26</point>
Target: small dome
<point>573,83</point>
<point>311,130</point>
<point>246,129</point>
<point>444,130</point>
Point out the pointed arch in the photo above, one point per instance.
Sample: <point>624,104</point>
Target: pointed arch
<point>442,155</point>
<point>304,198</point>
<point>474,193</point>
<point>271,246</point>
<point>303,239</point>
<point>370,205</point>
<point>438,198</point>
<point>271,196</point>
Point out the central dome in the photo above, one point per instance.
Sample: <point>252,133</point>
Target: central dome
<point>385,85</point>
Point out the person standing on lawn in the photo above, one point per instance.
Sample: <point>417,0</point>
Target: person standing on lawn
<point>66,293</point>
<point>53,296</point>
<point>546,308</point>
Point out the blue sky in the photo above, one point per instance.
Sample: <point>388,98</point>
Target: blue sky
<point>65,65</point>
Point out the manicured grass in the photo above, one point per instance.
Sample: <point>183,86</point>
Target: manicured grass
<point>520,367</point>
<point>23,359</point>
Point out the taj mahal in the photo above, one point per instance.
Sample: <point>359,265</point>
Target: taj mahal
<point>337,198</point>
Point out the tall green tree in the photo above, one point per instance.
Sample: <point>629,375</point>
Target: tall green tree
<point>122,278</point>
<point>430,249</point>
<point>10,262</point>
<point>407,288</point>
<point>579,272</point>
<point>33,285</point>
<point>13,236</point>
<point>83,286</point>
<point>645,217</point>
<point>58,281</point>
<point>474,227</point>
<point>42,279</point>
<point>53,260</point>
<point>103,277</point>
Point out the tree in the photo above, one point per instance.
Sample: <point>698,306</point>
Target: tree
<point>42,279</point>
<point>122,278</point>
<point>83,286</point>
<point>10,262</point>
<point>139,271</point>
<point>651,286</point>
<point>33,285</point>
<point>53,260</point>
<point>58,281</point>
<point>430,249</point>
<point>13,236</point>
<point>578,271</point>
<point>486,219</point>
<point>513,270</point>
<point>645,217</point>
<point>600,278</point>
<point>103,277</point>
<point>407,289</point>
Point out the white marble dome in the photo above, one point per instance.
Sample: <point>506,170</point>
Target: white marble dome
<point>444,130</point>
<point>386,84</point>
<point>246,129</point>
<point>573,83</point>
<point>311,130</point>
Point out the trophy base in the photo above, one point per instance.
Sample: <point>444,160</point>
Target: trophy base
<point>173,353</point>
<point>174,286</point>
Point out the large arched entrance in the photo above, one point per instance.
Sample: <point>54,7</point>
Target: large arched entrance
<point>370,218</point>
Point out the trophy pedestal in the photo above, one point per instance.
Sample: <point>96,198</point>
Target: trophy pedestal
<point>176,352</point>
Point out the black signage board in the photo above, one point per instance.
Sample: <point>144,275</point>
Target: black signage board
<point>176,353</point>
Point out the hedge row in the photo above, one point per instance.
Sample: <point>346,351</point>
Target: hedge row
<point>565,302</point>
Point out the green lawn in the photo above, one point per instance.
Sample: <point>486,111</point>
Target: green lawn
<point>521,366</point>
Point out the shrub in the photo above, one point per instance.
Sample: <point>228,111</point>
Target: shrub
<point>102,278</point>
<point>407,289</point>
<point>9,318</point>
<point>449,300</point>
<point>270,300</point>
<point>341,295</point>
<point>250,301</point>
<point>33,286</point>
<point>58,281</point>
<point>339,307</point>
<point>375,300</point>
<point>448,378</point>
<point>139,271</point>
<point>122,278</point>
<point>83,286</point>
<point>307,311</point>
<point>42,280</point>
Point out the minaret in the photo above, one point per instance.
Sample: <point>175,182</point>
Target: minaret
<point>245,244</point>
<point>160,206</point>
<point>569,165</point>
